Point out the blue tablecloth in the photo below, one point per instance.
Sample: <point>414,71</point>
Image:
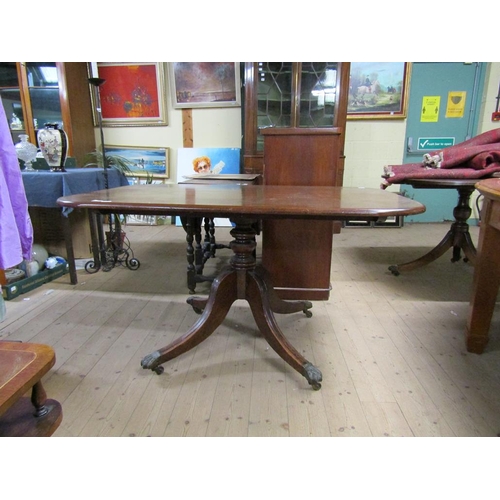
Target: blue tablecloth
<point>44,187</point>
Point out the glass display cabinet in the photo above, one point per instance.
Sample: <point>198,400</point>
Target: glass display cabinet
<point>35,93</point>
<point>290,94</point>
<point>11,95</point>
<point>294,129</point>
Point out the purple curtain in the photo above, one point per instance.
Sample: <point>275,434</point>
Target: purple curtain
<point>16,231</point>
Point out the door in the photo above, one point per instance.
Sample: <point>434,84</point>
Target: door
<point>443,110</point>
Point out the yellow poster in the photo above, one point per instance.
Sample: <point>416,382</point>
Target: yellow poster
<point>430,108</point>
<point>456,104</point>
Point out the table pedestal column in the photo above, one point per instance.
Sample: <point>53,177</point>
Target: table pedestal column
<point>242,279</point>
<point>458,237</point>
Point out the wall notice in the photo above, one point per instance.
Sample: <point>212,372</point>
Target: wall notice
<point>430,108</point>
<point>456,104</point>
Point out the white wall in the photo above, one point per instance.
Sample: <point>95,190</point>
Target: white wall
<point>370,144</point>
<point>212,127</point>
<point>489,102</point>
<point>374,143</point>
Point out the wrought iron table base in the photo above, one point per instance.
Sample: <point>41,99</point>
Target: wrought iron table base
<point>111,251</point>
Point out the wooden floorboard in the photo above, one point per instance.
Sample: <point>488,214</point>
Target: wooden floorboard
<point>391,349</point>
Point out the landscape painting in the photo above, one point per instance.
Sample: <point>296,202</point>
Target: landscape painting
<point>143,161</point>
<point>204,84</point>
<point>378,90</point>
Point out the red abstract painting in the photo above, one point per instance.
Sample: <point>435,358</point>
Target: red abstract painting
<point>130,91</point>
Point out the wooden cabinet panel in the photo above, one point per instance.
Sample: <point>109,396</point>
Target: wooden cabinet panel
<point>298,253</point>
<point>301,157</point>
<point>294,132</point>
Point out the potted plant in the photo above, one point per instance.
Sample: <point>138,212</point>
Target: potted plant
<point>95,159</point>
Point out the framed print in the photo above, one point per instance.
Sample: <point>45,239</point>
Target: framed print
<point>204,84</point>
<point>194,163</point>
<point>378,90</point>
<point>133,94</point>
<point>145,161</point>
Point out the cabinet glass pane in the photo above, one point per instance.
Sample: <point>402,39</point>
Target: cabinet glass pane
<point>11,100</point>
<point>44,93</point>
<point>274,96</point>
<point>8,74</point>
<point>42,74</point>
<point>318,94</point>
<point>46,106</point>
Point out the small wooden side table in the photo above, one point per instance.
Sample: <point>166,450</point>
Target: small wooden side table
<point>487,269</point>
<point>22,367</point>
<point>458,237</point>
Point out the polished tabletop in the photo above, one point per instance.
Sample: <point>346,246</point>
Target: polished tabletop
<point>304,202</point>
<point>489,187</point>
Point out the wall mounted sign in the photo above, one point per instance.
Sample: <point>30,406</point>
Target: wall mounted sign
<point>456,104</point>
<point>430,108</point>
<point>434,143</point>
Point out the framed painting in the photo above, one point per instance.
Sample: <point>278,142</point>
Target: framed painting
<point>144,161</point>
<point>378,90</point>
<point>204,84</point>
<point>194,163</point>
<point>133,94</point>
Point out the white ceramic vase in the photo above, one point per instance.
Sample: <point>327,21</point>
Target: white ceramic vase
<point>53,143</point>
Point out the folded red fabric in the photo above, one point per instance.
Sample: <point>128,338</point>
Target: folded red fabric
<point>472,159</point>
<point>402,173</point>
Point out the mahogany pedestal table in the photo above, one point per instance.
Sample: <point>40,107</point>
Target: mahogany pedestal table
<point>486,279</point>
<point>244,205</point>
<point>458,236</point>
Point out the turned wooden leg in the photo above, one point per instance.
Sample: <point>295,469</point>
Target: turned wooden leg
<point>457,237</point>
<point>445,244</point>
<point>258,298</point>
<point>222,295</point>
<point>469,249</point>
<point>188,224</point>
<point>38,399</point>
